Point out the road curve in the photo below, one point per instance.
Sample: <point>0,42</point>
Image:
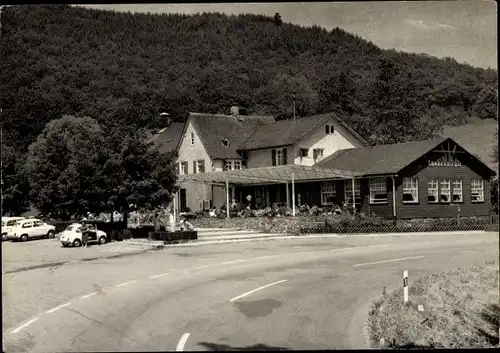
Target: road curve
<point>309,295</point>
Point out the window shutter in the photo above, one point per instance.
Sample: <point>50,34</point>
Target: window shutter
<point>202,166</point>
<point>284,156</point>
<point>194,167</point>
<point>224,165</point>
<point>273,155</point>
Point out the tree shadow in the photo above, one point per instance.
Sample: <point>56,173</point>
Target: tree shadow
<point>491,315</point>
<point>225,347</point>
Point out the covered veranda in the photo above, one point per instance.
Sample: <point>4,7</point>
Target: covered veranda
<point>285,174</point>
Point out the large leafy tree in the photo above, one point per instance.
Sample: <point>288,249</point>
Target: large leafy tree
<point>64,167</point>
<point>14,183</point>
<point>75,167</point>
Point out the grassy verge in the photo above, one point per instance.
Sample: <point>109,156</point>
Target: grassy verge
<point>461,310</point>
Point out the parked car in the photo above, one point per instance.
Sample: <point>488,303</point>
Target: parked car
<point>31,228</point>
<point>7,224</point>
<point>72,235</point>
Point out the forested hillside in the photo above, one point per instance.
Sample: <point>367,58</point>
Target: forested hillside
<point>124,69</point>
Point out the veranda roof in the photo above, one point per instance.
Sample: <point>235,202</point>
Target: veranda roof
<point>276,174</point>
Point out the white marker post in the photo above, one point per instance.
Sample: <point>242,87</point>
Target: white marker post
<point>405,286</point>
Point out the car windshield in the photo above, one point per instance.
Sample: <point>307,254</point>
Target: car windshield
<point>11,223</point>
<point>72,227</point>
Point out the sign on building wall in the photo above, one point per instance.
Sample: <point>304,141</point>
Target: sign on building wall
<point>447,160</point>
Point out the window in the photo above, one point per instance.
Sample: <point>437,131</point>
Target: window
<point>201,166</point>
<point>410,190</point>
<point>378,190</point>
<point>184,167</point>
<point>348,191</point>
<point>457,191</point>
<point>279,156</point>
<point>233,165</point>
<point>318,153</point>
<point>192,138</point>
<point>328,194</point>
<point>432,191</point>
<point>444,190</point>
<point>194,167</point>
<point>37,223</point>
<point>477,191</point>
<point>27,225</point>
<point>329,129</point>
<point>304,152</point>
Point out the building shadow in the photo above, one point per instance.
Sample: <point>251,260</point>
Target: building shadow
<point>491,314</point>
<point>225,347</point>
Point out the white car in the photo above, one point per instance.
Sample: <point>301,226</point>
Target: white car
<point>72,235</point>
<point>31,228</point>
<point>7,224</point>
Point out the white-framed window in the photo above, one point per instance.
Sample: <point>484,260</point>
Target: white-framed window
<point>444,190</point>
<point>378,190</point>
<point>280,159</point>
<point>348,191</point>
<point>233,164</point>
<point>432,191</point>
<point>457,195</point>
<point>192,138</point>
<point>200,166</point>
<point>477,190</point>
<point>328,194</point>
<point>318,153</point>
<point>183,167</point>
<point>304,152</point>
<point>410,190</point>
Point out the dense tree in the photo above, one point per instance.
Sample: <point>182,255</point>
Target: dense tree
<point>75,166</point>
<point>14,183</point>
<point>126,68</point>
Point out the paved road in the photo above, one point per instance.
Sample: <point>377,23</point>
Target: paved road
<point>20,256</point>
<point>282,294</point>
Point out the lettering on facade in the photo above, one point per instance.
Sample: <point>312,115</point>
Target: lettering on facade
<point>447,160</point>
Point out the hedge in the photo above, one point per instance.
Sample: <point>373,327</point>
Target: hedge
<point>172,237</point>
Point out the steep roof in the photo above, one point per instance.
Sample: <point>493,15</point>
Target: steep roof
<point>212,129</point>
<point>165,140</point>
<point>287,132</point>
<point>380,159</point>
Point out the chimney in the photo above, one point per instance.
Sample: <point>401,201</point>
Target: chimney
<point>235,110</point>
<point>165,117</point>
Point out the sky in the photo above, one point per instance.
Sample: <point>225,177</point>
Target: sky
<point>465,30</point>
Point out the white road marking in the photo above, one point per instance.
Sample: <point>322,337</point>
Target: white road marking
<point>88,295</point>
<point>24,325</point>
<point>57,308</point>
<point>232,262</point>
<point>257,289</point>
<point>268,257</point>
<point>182,342</point>
<point>393,260</point>
<point>124,284</point>
<point>160,275</point>
<point>200,267</point>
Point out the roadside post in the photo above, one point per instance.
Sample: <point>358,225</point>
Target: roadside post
<point>405,286</point>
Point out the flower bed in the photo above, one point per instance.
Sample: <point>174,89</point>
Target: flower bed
<point>347,224</point>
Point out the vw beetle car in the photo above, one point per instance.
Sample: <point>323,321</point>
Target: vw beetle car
<point>72,235</point>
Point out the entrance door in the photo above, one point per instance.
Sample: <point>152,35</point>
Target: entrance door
<point>182,200</point>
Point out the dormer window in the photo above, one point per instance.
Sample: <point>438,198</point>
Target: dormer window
<point>225,142</point>
<point>192,138</point>
<point>329,129</point>
<point>318,153</point>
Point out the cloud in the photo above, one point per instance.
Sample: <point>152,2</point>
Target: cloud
<point>425,27</point>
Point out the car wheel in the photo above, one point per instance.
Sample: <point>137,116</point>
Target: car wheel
<point>51,234</point>
<point>24,237</point>
<point>102,240</point>
<point>77,243</point>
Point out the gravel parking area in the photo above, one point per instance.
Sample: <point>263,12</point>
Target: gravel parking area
<point>18,256</point>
